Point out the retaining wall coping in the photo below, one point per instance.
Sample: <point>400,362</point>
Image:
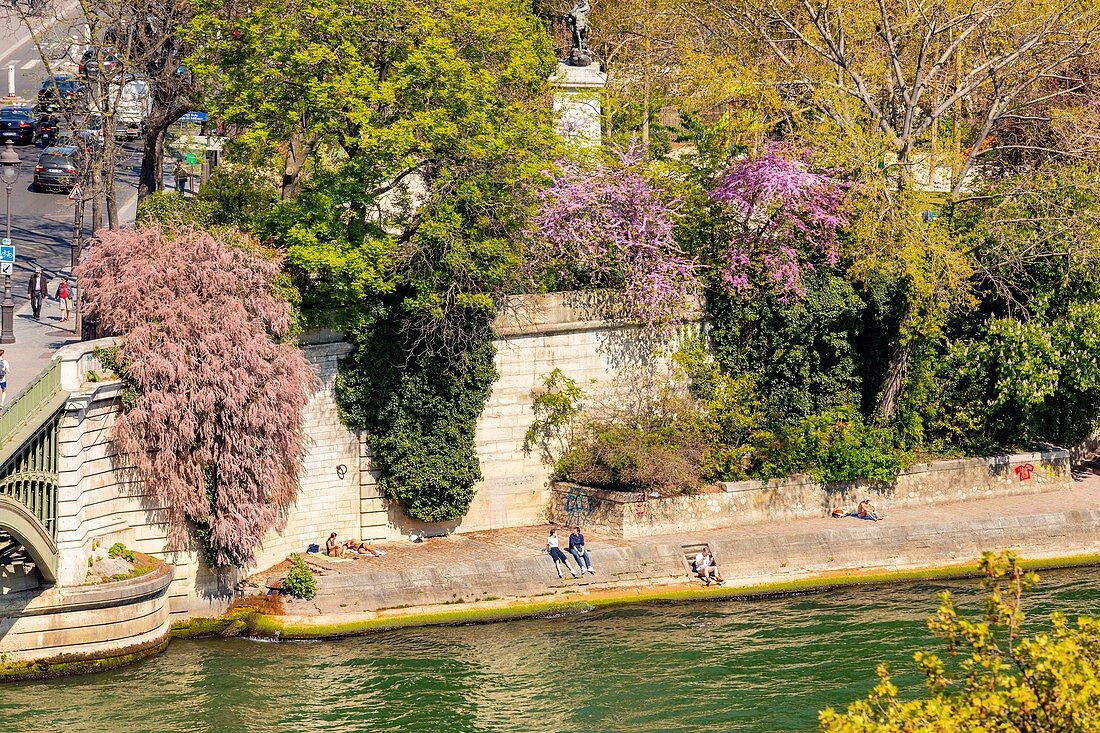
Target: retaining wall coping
<point>87,597</point>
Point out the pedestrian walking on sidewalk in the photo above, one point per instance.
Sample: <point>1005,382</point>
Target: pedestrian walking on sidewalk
<point>181,174</point>
<point>3,379</point>
<point>63,298</point>
<point>557,554</point>
<point>37,289</point>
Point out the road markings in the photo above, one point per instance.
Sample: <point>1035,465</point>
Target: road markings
<point>29,65</point>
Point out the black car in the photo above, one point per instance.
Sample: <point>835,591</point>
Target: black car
<point>59,91</point>
<point>17,124</point>
<point>96,60</point>
<point>58,169</point>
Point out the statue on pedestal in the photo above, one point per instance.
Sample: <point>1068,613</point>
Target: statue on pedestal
<point>577,21</point>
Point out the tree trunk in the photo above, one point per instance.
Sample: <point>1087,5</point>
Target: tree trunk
<point>97,207</point>
<point>296,154</point>
<point>894,382</point>
<point>151,176</point>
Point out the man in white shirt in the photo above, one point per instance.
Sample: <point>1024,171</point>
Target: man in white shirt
<point>706,567</point>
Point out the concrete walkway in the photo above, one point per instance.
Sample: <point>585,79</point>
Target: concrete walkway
<point>511,563</point>
<point>36,341</point>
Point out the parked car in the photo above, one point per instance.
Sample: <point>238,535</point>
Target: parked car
<point>97,60</point>
<point>18,125</point>
<point>58,169</point>
<point>60,90</point>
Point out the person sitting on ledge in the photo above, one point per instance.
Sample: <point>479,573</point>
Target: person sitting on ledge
<point>866,510</point>
<point>556,553</point>
<point>576,549</point>
<point>333,548</point>
<point>706,567</point>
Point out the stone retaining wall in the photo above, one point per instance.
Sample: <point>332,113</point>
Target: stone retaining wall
<point>744,559</point>
<point>92,621</point>
<point>625,514</point>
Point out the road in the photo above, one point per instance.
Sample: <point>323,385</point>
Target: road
<point>42,223</point>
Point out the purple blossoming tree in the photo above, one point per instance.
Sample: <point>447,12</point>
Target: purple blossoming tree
<point>607,225</point>
<point>783,216</point>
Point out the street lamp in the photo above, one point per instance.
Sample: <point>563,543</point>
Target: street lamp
<point>9,174</point>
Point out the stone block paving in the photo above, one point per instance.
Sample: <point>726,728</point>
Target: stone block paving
<point>526,542</point>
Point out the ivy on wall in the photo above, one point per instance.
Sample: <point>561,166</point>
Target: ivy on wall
<point>420,412</point>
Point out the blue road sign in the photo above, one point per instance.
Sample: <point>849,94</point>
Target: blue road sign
<point>193,118</point>
<point>7,253</point>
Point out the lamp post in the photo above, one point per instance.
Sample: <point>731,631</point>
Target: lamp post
<point>9,174</point>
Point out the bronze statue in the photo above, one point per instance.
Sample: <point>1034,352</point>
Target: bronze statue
<point>577,20</point>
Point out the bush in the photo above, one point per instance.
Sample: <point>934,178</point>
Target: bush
<point>667,452</point>
<point>299,581</point>
<point>119,550</point>
<point>834,447</point>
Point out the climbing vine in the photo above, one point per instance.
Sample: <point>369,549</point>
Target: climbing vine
<point>420,412</point>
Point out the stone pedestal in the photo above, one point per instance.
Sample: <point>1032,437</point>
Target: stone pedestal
<point>577,92</point>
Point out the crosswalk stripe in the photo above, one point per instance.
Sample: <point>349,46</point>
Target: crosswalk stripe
<point>30,64</point>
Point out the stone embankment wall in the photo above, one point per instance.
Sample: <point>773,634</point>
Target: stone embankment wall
<point>92,621</point>
<point>100,504</point>
<point>840,547</point>
<point>625,514</point>
<point>536,334</point>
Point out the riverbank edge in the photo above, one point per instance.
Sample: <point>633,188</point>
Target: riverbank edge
<point>68,665</point>
<point>249,622</point>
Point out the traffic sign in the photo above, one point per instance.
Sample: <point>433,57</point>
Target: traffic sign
<point>6,268</point>
<point>7,252</point>
<point>76,194</point>
<point>192,159</point>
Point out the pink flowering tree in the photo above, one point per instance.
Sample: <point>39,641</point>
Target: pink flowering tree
<point>213,425</point>
<point>606,225</point>
<point>784,217</point>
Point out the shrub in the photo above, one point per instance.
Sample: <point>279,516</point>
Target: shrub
<point>299,581</point>
<point>667,451</point>
<point>119,550</point>
<point>837,446</point>
<point>555,408</point>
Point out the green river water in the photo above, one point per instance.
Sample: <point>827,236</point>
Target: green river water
<point>742,665</point>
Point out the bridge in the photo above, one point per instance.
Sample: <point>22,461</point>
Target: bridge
<point>29,474</point>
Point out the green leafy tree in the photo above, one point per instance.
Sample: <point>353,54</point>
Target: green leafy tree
<point>994,678</point>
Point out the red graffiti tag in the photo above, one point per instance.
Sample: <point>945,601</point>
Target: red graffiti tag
<point>1024,472</point>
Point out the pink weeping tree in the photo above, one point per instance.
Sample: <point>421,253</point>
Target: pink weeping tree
<point>606,225</point>
<point>215,430</point>
<point>784,215</point>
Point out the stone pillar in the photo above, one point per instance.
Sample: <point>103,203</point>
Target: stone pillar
<point>577,102</point>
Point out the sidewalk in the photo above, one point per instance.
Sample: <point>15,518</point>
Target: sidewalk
<point>35,341</point>
<point>510,566</point>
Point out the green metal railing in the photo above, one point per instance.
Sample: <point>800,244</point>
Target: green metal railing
<point>28,446</point>
<point>22,410</point>
<point>30,476</point>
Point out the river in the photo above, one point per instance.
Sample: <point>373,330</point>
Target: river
<point>761,665</point>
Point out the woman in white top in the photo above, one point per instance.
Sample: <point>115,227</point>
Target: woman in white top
<point>557,554</point>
